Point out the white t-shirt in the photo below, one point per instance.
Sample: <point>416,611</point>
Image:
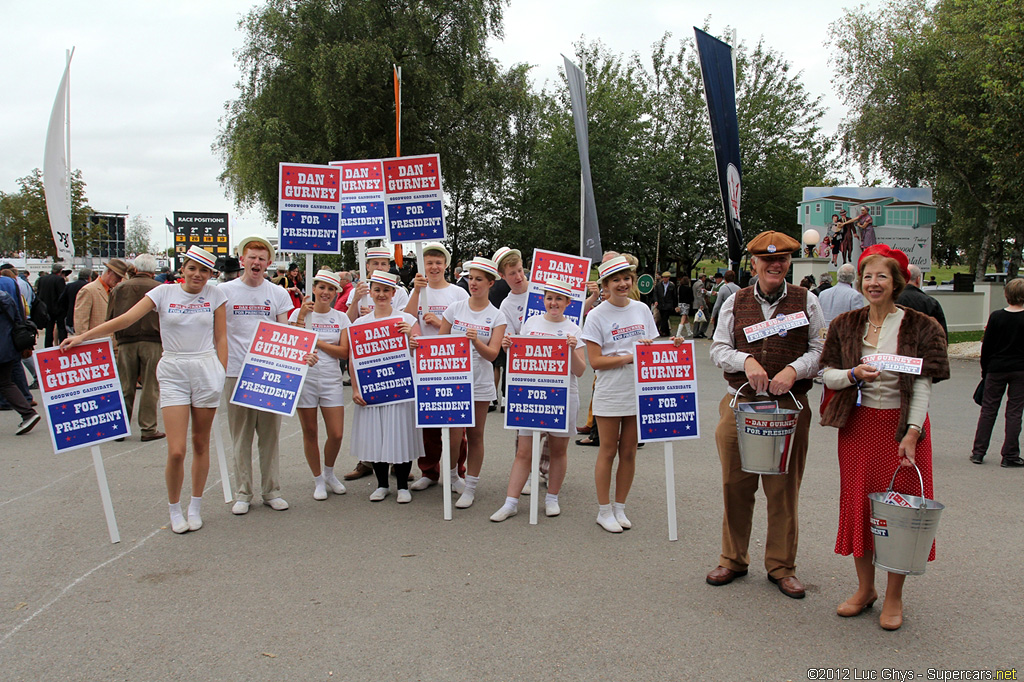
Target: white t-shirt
<point>463,318</point>
<point>186,320</point>
<point>246,307</point>
<point>616,329</point>
<point>438,301</point>
<point>514,309</point>
<point>400,300</point>
<point>538,326</point>
<point>329,327</point>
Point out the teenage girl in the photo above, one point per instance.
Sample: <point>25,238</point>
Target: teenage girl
<point>552,323</point>
<point>323,387</point>
<point>484,325</point>
<point>191,371</point>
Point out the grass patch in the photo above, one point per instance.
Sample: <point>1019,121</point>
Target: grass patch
<point>962,337</point>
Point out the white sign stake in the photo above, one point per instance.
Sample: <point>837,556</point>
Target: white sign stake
<point>670,491</point>
<point>446,467</point>
<point>222,461</point>
<point>535,477</point>
<point>108,506</point>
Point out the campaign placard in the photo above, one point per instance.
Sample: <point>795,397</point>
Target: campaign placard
<point>537,383</point>
<point>362,200</point>
<point>444,382</point>
<point>894,363</point>
<point>781,324</point>
<point>274,368</point>
<point>413,196</point>
<point>379,361</point>
<point>308,208</point>
<point>550,264</point>
<point>81,395</point>
<point>666,391</point>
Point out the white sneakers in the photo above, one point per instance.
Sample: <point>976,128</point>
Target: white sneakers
<point>379,494</point>
<point>336,486</point>
<point>319,490</point>
<point>422,483</point>
<point>27,424</point>
<point>466,500</point>
<point>551,508</point>
<point>528,486</point>
<point>404,496</point>
<point>276,503</point>
<point>179,525</point>
<point>195,522</point>
<point>620,515</point>
<point>458,484</point>
<point>504,513</point>
<point>240,507</point>
<point>608,522</point>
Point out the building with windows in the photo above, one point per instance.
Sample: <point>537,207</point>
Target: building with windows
<point>886,211</point>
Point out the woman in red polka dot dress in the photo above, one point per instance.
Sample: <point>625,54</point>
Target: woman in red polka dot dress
<point>882,415</point>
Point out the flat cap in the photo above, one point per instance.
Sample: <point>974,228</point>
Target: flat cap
<point>771,243</point>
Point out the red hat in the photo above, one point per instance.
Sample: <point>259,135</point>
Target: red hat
<point>883,250</point>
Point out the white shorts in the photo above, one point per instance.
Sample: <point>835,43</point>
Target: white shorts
<point>614,392</point>
<point>195,379</point>
<point>574,407</point>
<point>323,389</point>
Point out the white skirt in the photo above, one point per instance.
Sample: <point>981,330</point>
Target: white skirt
<point>615,393</point>
<point>483,382</point>
<point>386,433</point>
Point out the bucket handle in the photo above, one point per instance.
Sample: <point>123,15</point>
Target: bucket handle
<point>920,480</point>
<point>799,406</point>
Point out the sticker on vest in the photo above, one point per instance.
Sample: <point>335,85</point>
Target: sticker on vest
<point>893,363</point>
<point>780,325</point>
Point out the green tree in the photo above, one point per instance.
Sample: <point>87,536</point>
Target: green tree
<point>24,221</point>
<point>138,236</point>
<point>935,99</point>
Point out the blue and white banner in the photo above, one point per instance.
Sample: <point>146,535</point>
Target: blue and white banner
<point>574,270</point>
<point>444,382</point>
<point>414,198</point>
<point>308,208</point>
<point>666,391</point>
<point>362,200</point>
<point>537,384</point>
<point>81,395</point>
<point>274,368</point>
<point>380,363</point>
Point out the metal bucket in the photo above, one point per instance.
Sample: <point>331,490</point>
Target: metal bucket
<point>765,436</point>
<point>903,535</point>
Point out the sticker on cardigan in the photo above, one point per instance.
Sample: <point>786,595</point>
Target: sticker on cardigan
<point>780,325</point>
<point>893,363</point>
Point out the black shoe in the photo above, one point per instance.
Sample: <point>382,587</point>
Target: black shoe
<point>1012,462</point>
<point>976,459</point>
<point>346,382</point>
<point>589,440</point>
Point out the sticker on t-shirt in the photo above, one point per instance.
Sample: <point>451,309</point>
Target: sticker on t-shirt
<point>894,363</point>
<point>779,325</point>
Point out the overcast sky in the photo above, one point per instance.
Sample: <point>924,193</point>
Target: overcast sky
<point>149,81</point>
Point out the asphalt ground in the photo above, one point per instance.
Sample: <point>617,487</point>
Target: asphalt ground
<point>353,590</point>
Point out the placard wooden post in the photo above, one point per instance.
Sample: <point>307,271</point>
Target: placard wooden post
<point>222,461</point>
<point>535,477</point>
<point>446,468</point>
<point>670,491</point>
<point>108,506</point>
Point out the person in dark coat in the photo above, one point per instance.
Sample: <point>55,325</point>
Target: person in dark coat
<point>48,291</point>
<point>10,360</point>
<point>665,295</point>
<point>913,297</point>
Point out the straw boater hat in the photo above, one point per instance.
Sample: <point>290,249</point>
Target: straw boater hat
<point>118,266</point>
<point>201,256</point>
<point>255,239</point>
<point>483,265</point>
<point>386,278</point>
<point>503,253</point>
<point>557,286</point>
<point>438,247</point>
<point>378,252</point>
<point>613,266</point>
<point>772,243</point>
<point>327,277</point>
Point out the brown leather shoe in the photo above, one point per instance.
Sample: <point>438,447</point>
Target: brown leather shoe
<point>789,586</point>
<point>583,429</point>
<point>891,621</point>
<point>156,435</point>
<point>360,471</point>
<point>850,608</point>
<point>723,576</point>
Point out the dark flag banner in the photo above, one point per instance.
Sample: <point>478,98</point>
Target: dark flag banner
<point>590,246</point>
<point>720,92</point>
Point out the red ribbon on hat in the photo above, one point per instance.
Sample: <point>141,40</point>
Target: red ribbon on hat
<point>884,250</point>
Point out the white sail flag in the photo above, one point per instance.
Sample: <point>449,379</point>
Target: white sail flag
<point>56,174</point>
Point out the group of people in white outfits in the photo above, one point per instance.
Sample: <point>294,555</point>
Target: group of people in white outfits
<point>206,329</point>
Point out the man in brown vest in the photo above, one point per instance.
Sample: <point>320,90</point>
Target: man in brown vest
<point>784,360</point>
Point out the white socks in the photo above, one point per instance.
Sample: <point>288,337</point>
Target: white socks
<point>511,503</point>
<point>319,488</point>
<point>178,523</point>
<point>606,519</point>
<point>549,498</point>
<point>328,473</point>
<point>471,482</point>
<point>619,510</point>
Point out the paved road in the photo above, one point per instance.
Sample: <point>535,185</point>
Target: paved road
<point>347,589</point>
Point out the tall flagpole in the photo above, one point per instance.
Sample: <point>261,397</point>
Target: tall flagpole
<point>67,118</point>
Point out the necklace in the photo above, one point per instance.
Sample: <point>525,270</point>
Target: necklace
<point>876,327</point>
